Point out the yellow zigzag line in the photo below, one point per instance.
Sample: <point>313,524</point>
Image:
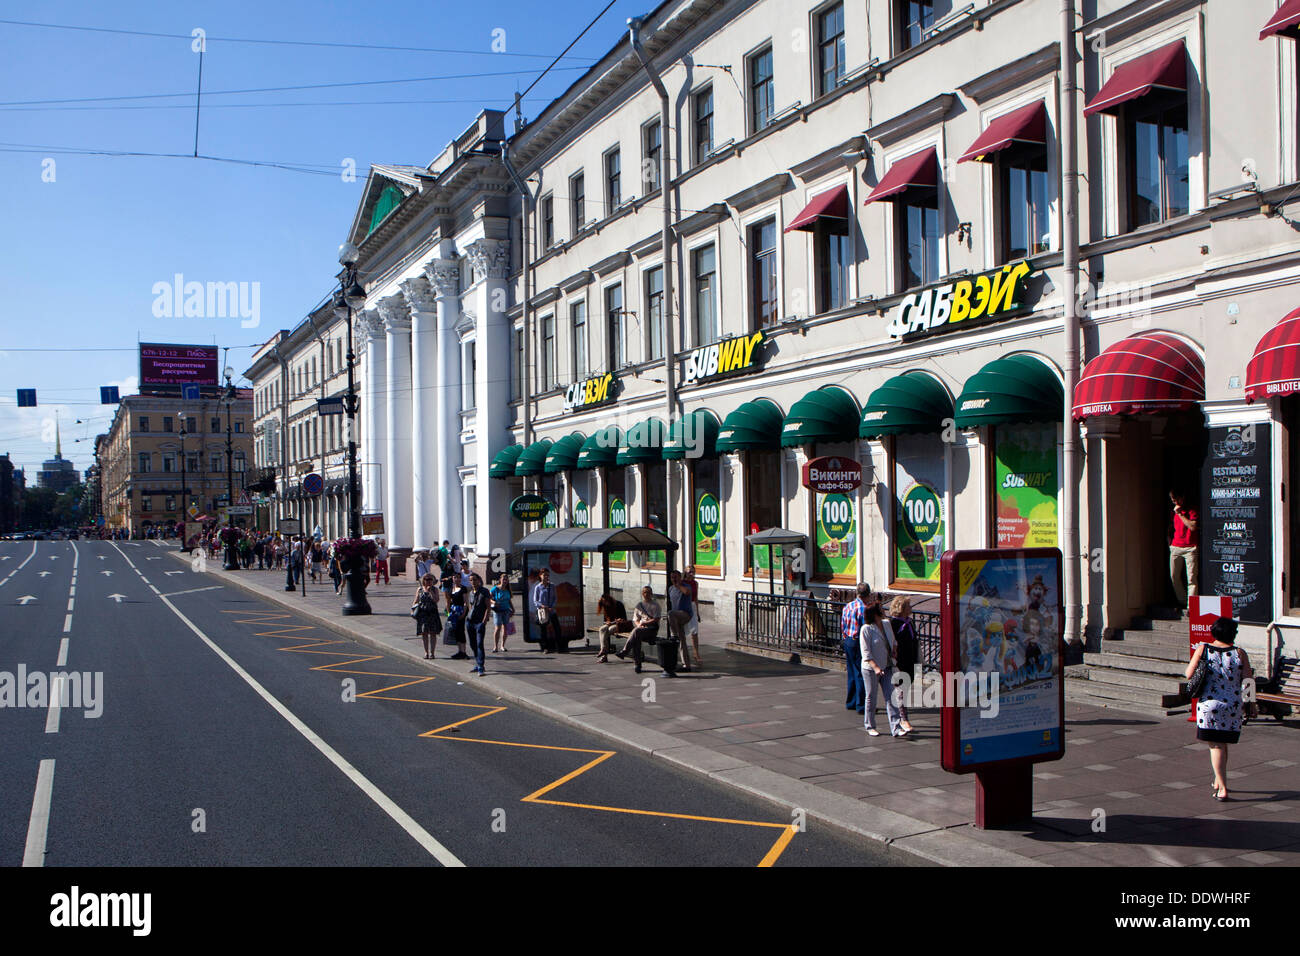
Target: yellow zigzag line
<point>288,632</point>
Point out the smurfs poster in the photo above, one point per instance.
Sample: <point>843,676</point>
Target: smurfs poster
<point>1002,622</point>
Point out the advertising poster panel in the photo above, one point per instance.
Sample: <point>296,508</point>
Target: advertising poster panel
<point>837,537</point>
<point>708,532</point>
<point>178,364</point>
<point>1004,693</point>
<point>1236,528</point>
<point>1025,472</point>
<point>566,577</point>
<point>919,520</point>
<point>617,519</point>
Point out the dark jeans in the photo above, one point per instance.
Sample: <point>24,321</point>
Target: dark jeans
<point>856,696</point>
<point>553,626</point>
<point>646,632</point>
<point>475,632</point>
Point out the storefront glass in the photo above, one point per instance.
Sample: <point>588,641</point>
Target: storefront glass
<point>616,509</point>
<point>919,518</point>
<point>656,505</point>
<point>1025,486</point>
<point>580,515</point>
<point>1291,421</point>
<point>762,502</point>
<point>706,494</point>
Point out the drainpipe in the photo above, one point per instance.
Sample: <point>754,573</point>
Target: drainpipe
<point>525,372</point>
<point>284,429</point>
<point>1070,242</point>
<point>634,25</point>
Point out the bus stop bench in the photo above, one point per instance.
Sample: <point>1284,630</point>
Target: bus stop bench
<point>1281,692</point>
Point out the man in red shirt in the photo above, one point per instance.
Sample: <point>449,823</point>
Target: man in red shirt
<point>1183,552</point>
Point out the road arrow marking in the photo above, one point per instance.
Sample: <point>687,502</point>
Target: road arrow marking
<point>153,559</point>
<point>109,573</point>
<point>44,574</point>
<point>26,599</point>
<point>173,572</point>
<point>101,557</point>
<point>116,597</point>
<point>54,557</point>
<point>5,558</point>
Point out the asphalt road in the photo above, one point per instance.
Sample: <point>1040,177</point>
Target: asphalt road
<point>234,733</point>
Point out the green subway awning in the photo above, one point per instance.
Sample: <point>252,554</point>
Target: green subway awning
<point>1014,388</point>
<point>753,426</point>
<point>828,414</point>
<point>533,459</point>
<point>503,465</point>
<point>564,453</point>
<point>601,449</point>
<point>693,436</point>
<point>909,403</point>
<point>643,443</point>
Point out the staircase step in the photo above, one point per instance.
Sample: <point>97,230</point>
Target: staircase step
<point>1083,697</point>
<point>1137,647</point>
<point>1167,613</point>
<point>1158,626</point>
<point>1145,665</point>
<point>1129,678</point>
<point>1097,686</point>
<point>1165,638</point>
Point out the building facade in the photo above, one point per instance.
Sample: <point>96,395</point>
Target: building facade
<point>866,265</point>
<point>163,455</point>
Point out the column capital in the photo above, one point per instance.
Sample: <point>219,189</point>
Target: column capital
<point>397,317</point>
<point>490,258</point>
<point>445,276</point>
<point>370,322</point>
<point>419,295</point>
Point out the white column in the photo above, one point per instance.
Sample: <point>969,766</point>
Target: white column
<point>491,261</point>
<point>444,274</point>
<point>374,411</point>
<point>397,478</point>
<point>427,451</point>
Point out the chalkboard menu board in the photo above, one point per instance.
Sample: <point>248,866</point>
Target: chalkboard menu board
<point>1236,529</point>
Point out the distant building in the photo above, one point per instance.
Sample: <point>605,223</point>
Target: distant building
<point>57,473</point>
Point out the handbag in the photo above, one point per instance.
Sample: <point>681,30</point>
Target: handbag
<point>1196,683</point>
<point>510,627</point>
<point>543,615</point>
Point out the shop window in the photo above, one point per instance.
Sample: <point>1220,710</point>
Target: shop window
<point>578,201</point>
<point>214,425</point>
<point>651,147</point>
<point>546,219</point>
<point>192,463</point>
<point>704,277</point>
<point>241,463</point>
<point>549,380</point>
<point>191,424</point>
<point>833,258</point>
<point>918,513</point>
<point>145,462</point>
<point>654,302</point>
<point>616,509</point>
<point>702,124</point>
<point>616,332</point>
<point>912,19</point>
<point>917,229</point>
<point>1024,202</point>
<point>762,502</point>
<point>1157,174</point>
<point>578,324</point>
<point>706,516</point>
<point>471,514</point>
<point>613,181</point>
<point>217,462</point>
<point>761,91</point>
<point>654,508</point>
<point>1291,421</point>
<point>1025,486</point>
<point>830,49</point>
<point>762,273</point>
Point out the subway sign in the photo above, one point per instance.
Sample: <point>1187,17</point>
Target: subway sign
<point>722,358</point>
<point>945,307</point>
<point>591,391</point>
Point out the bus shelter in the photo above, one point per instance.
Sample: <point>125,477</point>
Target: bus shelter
<point>554,549</point>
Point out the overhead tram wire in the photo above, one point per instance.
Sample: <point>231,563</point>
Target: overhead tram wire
<point>551,65</point>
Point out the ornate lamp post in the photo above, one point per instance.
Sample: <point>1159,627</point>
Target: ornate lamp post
<point>228,399</point>
<point>350,297</point>
<point>180,417</point>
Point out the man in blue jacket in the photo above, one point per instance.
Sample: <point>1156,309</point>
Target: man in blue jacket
<point>544,600</point>
<point>851,621</point>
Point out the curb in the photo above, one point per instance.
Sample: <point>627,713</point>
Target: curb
<point>928,842</point>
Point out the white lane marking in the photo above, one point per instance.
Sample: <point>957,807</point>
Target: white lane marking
<point>63,654</point>
<point>71,601</point>
<point>76,556</point>
<point>72,591</point>
<point>215,587</point>
<point>67,624</point>
<point>56,696</point>
<point>381,799</point>
<point>155,590</point>
<point>20,567</point>
<point>142,577</point>
<point>38,824</point>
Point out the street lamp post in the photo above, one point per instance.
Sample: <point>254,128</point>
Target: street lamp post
<point>232,555</point>
<point>180,416</point>
<point>351,296</point>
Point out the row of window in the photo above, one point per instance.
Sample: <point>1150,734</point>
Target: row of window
<point>190,424</point>
<point>171,462</point>
<point>304,376</point>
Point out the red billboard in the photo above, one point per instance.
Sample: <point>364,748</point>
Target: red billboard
<point>178,365</point>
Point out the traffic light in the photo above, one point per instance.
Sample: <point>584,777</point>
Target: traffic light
<point>26,398</point>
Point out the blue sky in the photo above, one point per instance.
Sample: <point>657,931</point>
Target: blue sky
<point>88,237</point>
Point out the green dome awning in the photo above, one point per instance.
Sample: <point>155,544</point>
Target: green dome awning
<point>828,414</point>
<point>601,449</point>
<point>533,459</point>
<point>753,426</point>
<point>1014,388</point>
<point>908,403</point>
<point>564,453</point>
<point>643,443</point>
<point>693,436</point>
<point>503,465</point>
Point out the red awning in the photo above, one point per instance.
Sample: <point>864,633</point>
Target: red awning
<point>832,205</point>
<point>1274,369</point>
<point>1285,22</point>
<point>1162,69</point>
<point>918,171</point>
<point>1147,372</point>
<point>1025,125</point>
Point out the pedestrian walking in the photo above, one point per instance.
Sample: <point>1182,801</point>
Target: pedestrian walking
<point>336,569</point>
<point>503,611</point>
<point>851,620</point>
<point>878,656</point>
<point>679,615</point>
<point>900,619</point>
<point>1184,553</point>
<point>693,625</point>
<point>645,627</point>
<point>428,623</point>
<point>548,622</point>
<point>381,561</point>
<point>1219,708</point>
<point>480,602</point>
<point>457,607</point>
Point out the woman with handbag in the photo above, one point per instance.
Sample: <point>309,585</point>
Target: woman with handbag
<point>900,617</point>
<point>428,624</point>
<point>1214,678</point>
<point>457,606</point>
<point>503,610</point>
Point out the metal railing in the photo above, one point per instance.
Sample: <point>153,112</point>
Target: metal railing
<point>812,626</point>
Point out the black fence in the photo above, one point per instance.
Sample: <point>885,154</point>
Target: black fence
<point>812,626</point>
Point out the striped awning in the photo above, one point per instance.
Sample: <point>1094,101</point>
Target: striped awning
<point>1274,369</point>
<point>1146,372</point>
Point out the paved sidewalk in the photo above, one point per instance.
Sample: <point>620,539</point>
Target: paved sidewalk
<point>781,731</point>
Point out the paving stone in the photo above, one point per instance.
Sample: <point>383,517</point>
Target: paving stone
<point>1099,767</point>
<point>1150,757</point>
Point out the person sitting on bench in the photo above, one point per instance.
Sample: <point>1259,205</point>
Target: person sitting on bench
<point>646,620</point>
<point>616,622</point>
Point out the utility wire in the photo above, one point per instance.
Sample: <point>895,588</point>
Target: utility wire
<point>567,49</point>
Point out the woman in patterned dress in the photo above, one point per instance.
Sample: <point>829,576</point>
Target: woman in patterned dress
<point>1219,708</point>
